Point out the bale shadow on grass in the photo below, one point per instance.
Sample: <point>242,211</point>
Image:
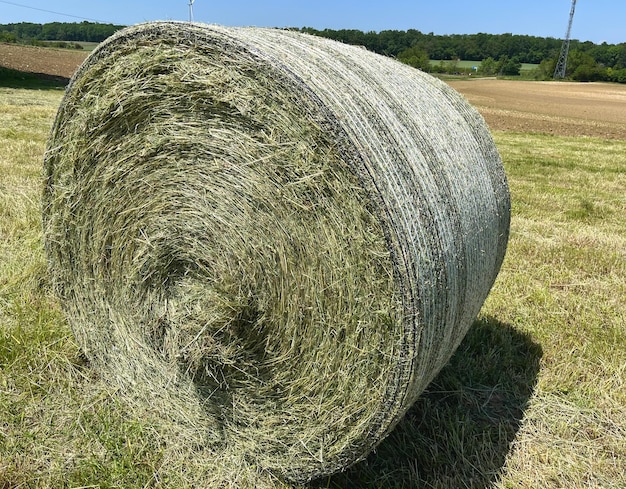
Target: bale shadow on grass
<point>10,78</point>
<point>458,433</point>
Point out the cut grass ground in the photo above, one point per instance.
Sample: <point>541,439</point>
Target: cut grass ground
<point>535,396</point>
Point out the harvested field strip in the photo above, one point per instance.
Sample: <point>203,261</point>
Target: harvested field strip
<point>560,108</point>
<point>48,61</point>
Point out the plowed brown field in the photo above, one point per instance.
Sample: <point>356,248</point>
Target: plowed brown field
<point>564,108</point>
<point>45,61</point>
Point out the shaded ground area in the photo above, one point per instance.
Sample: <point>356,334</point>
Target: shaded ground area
<point>563,108</point>
<point>461,428</point>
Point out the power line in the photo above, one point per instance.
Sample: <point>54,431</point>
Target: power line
<point>53,12</point>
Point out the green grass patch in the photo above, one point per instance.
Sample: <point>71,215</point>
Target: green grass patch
<point>534,397</point>
<point>88,46</point>
<point>465,64</point>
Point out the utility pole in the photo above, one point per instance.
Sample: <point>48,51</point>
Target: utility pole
<point>559,71</point>
<point>191,10</point>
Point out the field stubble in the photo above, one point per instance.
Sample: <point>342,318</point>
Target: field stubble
<point>535,396</point>
<point>559,108</point>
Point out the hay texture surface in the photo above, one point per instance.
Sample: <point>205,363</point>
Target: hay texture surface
<point>270,243</point>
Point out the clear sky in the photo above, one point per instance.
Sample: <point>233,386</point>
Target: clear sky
<point>595,20</point>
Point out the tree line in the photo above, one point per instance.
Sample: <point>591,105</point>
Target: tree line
<point>498,54</point>
<point>26,32</point>
<point>475,47</point>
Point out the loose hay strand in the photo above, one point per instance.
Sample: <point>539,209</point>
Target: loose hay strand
<point>269,242</point>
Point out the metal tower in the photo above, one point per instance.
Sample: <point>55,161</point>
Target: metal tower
<point>559,71</point>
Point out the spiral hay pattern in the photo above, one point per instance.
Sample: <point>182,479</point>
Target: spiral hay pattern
<point>269,243</point>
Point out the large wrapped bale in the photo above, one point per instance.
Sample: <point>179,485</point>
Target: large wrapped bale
<point>268,242</point>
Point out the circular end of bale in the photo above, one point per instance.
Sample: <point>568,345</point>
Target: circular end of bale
<point>268,242</point>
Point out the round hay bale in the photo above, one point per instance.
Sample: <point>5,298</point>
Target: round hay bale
<point>269,242</point>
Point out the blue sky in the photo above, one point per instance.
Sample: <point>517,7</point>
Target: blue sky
<point>595,20</point>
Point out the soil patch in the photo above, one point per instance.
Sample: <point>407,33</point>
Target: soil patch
<point>43,61</point>
<point>563,108</point>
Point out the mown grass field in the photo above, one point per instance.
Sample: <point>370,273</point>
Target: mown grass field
<point>464,64</point>
<point>534,398</point>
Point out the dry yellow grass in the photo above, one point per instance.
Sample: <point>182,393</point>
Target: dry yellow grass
<point>535,397</point>
<point>564,283</point>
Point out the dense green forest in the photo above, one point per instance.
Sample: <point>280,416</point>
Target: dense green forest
<point>57,31</point>
<point>499,54</point>
<point>495,54</point>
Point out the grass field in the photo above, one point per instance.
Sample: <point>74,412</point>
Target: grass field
<point>534,398</point>
<point>464,64</point>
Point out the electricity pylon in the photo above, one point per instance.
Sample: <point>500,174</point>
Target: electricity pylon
<point>559,71</point>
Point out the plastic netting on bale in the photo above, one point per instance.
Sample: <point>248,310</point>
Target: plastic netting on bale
<point>268,242</point>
